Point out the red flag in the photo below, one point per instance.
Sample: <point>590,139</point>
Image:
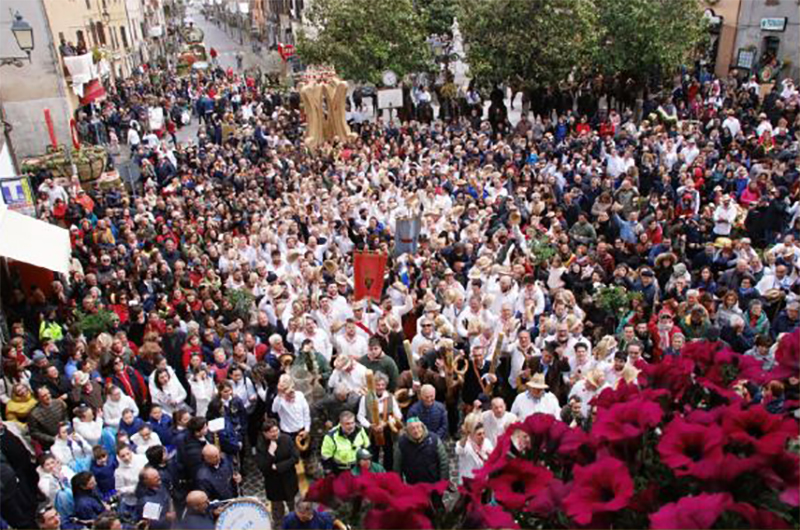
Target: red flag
<point>369,268</point>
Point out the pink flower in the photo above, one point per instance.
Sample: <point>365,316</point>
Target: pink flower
<point>759,518</point>
<point>548,501</point>
<point>599,488</point>
<point>391,519</point>
<point>387,490</point>
<point>691,512</point>
<point>517,482</point>
<point>626,421</point>
<point>767,433</point>
<point>673,375</point>
<point>485,516</point>
<point>691,449</point>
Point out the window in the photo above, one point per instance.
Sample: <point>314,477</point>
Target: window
<point>101,33</point>
<point>81,38</point>
<point>123,36</point>
<point>89,5</point>
<point>114,41</point>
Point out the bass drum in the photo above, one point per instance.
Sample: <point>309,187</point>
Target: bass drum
<point>244,514</point>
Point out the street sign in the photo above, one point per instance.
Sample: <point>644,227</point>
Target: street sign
<point>391,98</point>
<point>773,24</point>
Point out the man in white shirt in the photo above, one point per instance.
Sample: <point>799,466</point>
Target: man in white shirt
<point>536,400</point>
<point>724,216</point>
<point>349,373</point>
<point>291,407</point>
<point>732,123</point>
<point>349,342</point>
<point>320,338</point>
<point>496,420</point>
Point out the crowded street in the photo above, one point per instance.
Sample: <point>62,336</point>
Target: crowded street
<point>281,266</point>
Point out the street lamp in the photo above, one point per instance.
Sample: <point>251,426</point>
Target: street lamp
<point>106,16</point>
<point>23,34</point>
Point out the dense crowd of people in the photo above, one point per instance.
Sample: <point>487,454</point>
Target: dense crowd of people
<point>208,320</point>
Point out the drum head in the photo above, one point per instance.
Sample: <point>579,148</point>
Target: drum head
<point>245,514</point>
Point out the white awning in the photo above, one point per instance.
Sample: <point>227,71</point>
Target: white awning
<point>33,241</point>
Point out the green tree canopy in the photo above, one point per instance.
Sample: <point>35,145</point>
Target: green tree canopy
<point>528,43</point>
<point>364,38</point>
<point>644,37</point>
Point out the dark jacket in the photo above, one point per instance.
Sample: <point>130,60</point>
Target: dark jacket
<point>163,429</point>
<point>158,496</point>
<point>194,520</point>
<point>434,417</point>
<point>105,474</point>
<point>422,461</point>
<point>217,482</point>
<point>88,505</point>
<point>280,483</point>
<point>190,457</point>
<point>320,521</point>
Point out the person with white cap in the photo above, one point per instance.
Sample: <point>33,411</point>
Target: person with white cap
<point>536,400</point>
<point>350,373</point>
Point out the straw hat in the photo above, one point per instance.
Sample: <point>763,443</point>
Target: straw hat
<point>432,306</point>
<point>330,266</point>
<point>293,256</point>
<point>474,273</point>
<point>537,382</point>
<point>80,378</point>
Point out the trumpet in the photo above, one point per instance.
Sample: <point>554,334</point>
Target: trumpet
<point>302,441</point>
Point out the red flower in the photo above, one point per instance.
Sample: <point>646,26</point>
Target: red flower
<point>485,516</point>
<point>599,488</point>
<point>759,518</point>
<point>691,512</point>
<point>518,481</point>
<point>787,356</point>
<point>781,472</point>
<point>672,375</point>
<point>548,501</point>
<point>396,519</point>
<point>625,392</point>
<point>626,421</point>
<point>387,490</point>
<point>766,433</point>
<point>691,449</point>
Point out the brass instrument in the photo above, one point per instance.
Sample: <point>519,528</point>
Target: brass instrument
<point>286,360</point>
<point>403,395</point>
<point>452,377</point>
<point>395,425</point>
<point>302,441</point>
<point>498,347</point>
<point>374,411</point>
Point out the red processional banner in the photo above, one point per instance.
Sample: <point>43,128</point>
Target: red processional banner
<point>369,268</point>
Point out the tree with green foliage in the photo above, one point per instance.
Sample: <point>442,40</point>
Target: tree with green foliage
<point>364,38</point>
<point>528,43</point>
<point>643,38</point>
<point>438,15</point>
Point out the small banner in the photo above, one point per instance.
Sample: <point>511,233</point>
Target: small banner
<point>407,235</point>
<point>369,268</point>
